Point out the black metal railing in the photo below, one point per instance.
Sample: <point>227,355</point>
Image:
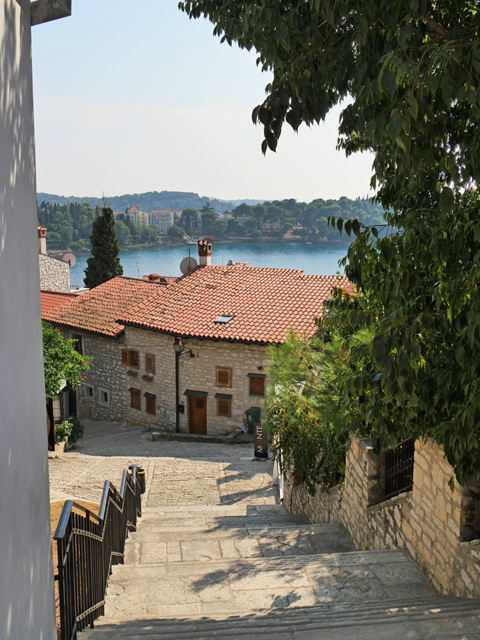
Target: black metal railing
<point>399,468</point>
<point>88,545</point>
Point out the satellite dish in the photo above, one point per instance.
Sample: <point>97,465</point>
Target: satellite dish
<point>188,264</point>
<point>70,258</point>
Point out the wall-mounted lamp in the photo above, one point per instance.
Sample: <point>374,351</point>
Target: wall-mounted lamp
<point>180,349</point>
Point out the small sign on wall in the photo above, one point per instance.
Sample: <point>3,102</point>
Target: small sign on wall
<point>261,441</point>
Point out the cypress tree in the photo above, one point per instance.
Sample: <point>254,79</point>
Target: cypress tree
<point>105,262</point>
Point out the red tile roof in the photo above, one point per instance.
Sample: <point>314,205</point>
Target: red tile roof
<point>98,309</point>
<point>266,303</point>
<point>51,300</point>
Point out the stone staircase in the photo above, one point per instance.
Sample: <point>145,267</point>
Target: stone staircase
<point>246,570</point>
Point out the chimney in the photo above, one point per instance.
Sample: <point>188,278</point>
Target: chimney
<point>205,252</point>
<point>42,239</point>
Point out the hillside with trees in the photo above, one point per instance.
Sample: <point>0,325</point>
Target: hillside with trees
<point>175,200</point>
<point>70,225</point>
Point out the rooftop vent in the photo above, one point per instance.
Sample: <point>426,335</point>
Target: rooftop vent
<point>224,318</point>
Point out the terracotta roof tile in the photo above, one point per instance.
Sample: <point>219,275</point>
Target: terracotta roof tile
<point>51,300</point>
<point>98,309</point>
<point>266,303</point>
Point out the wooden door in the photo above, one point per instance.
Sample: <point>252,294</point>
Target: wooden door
<point>198,415</point>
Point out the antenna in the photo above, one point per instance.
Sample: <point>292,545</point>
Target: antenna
<point>70,258</point>
<point>188,264</point>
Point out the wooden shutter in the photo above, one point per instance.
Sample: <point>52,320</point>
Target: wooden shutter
<point>257,386</point>
<point>150,363</point>
<point>134,360</point>
<point>135,400</point>
<point>150,404</point>
<point>224,407</point>
<point>125,359</point>
<point>224,377</point>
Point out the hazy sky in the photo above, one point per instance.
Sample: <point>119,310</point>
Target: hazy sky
<point>134,96</point>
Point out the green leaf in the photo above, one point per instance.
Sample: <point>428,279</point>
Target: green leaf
<point>413,107</point>
<point>447,199</point>
<point>380,350</point>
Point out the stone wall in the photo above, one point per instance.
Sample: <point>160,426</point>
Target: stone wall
<point>431,522</point>
<point>54,274</point>
<point>198,374</point>
<point>102,396</point>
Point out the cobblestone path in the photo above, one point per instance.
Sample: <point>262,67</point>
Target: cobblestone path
<point>178,473</point>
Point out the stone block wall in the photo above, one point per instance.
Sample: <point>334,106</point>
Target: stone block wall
<point>54,274</point>
<point>438,527</point>
<point>102,396</point>
<point>198,374</point>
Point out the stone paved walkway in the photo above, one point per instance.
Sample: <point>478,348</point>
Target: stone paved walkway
<point>178,473</point>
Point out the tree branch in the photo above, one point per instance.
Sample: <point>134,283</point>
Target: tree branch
<point>436,26</point>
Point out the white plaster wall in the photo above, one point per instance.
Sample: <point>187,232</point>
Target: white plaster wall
<point>26,576</point>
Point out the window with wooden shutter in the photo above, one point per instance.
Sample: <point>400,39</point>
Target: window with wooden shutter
<point>150,363</point>
<point>224,407</point>
<point>130,359</point>
<point>150,403</point>
<point>257,385</point>
<point>135,400</point>
<point>134,360</point>
<point>224,377</point>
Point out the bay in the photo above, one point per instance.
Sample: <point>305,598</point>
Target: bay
<point>313,259</point>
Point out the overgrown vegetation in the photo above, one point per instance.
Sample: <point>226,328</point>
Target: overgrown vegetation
<point>63,365</point>
<point>305,408</point>
<point>412,72</point>
<point>71,429</point>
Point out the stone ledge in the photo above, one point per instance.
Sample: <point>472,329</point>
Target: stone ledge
<point>231,438</point>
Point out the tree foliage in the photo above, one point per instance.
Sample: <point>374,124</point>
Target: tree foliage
<point>411,71</point>
<point>62,363</point>
<point>105,262</point>
<point>305,407</point>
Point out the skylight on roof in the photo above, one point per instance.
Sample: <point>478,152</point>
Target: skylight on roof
<point>224,318</point>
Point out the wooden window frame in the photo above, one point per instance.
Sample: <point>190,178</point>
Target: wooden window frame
<point>150,363</point>
<point>131,358</point>
<point>224,407</point>
<point>135,393</point>
<point>222,371</point>
<point>255,380</point>
<point>150,404</point>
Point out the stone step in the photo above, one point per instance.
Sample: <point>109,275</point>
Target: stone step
<point>203,545</point>
<point>207,521</point>
<point>434,617</point>
<point>256,584</point>
<point>238,509</point>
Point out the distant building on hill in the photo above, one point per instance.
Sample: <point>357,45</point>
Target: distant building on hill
<point>162,220</point>
<point>137,217</point>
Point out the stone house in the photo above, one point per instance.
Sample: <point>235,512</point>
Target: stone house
<point>189,354</point>
<point>91,320</point>
<point>54,273</point>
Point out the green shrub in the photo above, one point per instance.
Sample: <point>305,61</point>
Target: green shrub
<point>70,428</point>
